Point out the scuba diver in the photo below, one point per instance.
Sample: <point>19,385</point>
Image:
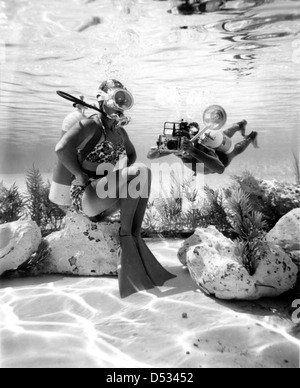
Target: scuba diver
<point>98,140</point>
<point>201,151</point>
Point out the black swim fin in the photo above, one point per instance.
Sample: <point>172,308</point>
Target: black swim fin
<point>131,272</point>
<point>156,272</point>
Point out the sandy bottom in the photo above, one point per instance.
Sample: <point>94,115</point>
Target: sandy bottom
<point>82,322</point>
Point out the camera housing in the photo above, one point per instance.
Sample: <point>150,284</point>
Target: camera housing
<point>171,139</point>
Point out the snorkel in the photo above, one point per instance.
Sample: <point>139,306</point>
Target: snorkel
<point>112,95</point>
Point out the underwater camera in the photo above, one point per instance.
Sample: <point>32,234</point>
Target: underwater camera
<point>171,139</point>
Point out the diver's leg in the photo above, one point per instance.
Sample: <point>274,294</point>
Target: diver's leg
<point>96,201</point>
<point>93,206</point>
<point>133,209</point>
<point>132,271</point>
<point>241,126</point>
<point>243,145</point>
<point>142,204</point>
<point>154,269</point>
<point>133,275</point>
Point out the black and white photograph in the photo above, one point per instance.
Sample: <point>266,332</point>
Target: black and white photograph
<point>150,186</point>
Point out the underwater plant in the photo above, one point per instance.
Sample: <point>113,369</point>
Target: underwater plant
<point>273,199</point>
<point>12,204</point>
<point>151,221</point>
<point>48,216</point>
<point>248,225</point>
<point>170,209</point>
<point>214,211</point>
<point>35,186</point>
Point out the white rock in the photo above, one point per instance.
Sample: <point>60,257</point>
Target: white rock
<point>286,232</point>
<point>215,266</point>
<point>204,236</point>
<point>195,239</point>
<point>18,241</point>
<point>82,248</point>
<point>296,257</point>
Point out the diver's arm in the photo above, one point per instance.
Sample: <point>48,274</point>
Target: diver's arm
<point>130,149</point>
<point>157,153</point>
<point>66,149</point>
<point>211,161</point>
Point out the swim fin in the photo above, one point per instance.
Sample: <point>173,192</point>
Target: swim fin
<point>253,136</point>
<point>242,125</point>
<point>156,272</point>
<point>132,275</point>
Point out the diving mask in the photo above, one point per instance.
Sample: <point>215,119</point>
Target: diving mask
<point>116,98</point>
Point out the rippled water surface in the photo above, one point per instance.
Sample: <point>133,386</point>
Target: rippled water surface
<point>245,57</point>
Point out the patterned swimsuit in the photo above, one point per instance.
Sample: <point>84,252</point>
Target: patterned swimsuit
<point>104,152</point>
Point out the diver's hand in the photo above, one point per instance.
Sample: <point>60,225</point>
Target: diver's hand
<point>81,179</point>
<point>187,145</point>
<point>156,153</point>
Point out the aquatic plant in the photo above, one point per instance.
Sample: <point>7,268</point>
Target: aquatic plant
<point>248,206</point>
<point>192,216</point>
<point>170,209</point>
<point>170,214</point>
<point>214,211</point>
<point>248,225</point>
<point>272,198</point>
<point>248,253</point>
<point>52,215</point>
<point>245,221</point>
<point>151,221</point>
<point>48,216</point>
<point>12,204</point>
<point>183,213</point>
<point>35,187</point>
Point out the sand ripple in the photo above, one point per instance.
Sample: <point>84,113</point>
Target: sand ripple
<point>78,322</point>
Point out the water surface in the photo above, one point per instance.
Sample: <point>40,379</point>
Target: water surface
<point>245,57</point>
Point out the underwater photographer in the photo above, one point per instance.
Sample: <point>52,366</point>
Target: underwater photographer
<point>211,147</point>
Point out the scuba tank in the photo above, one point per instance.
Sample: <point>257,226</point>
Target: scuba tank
<point>218,141</point>
<point>62,177</point>
<point>71,119</point>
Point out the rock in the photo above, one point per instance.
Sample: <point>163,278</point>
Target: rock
<point>215,265</point>
<point>296,257</point>
<point>18,241</point>
<point>195,239</point>
<point>82,248</point>
<point>200,236</point>
<point>286,232</point>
